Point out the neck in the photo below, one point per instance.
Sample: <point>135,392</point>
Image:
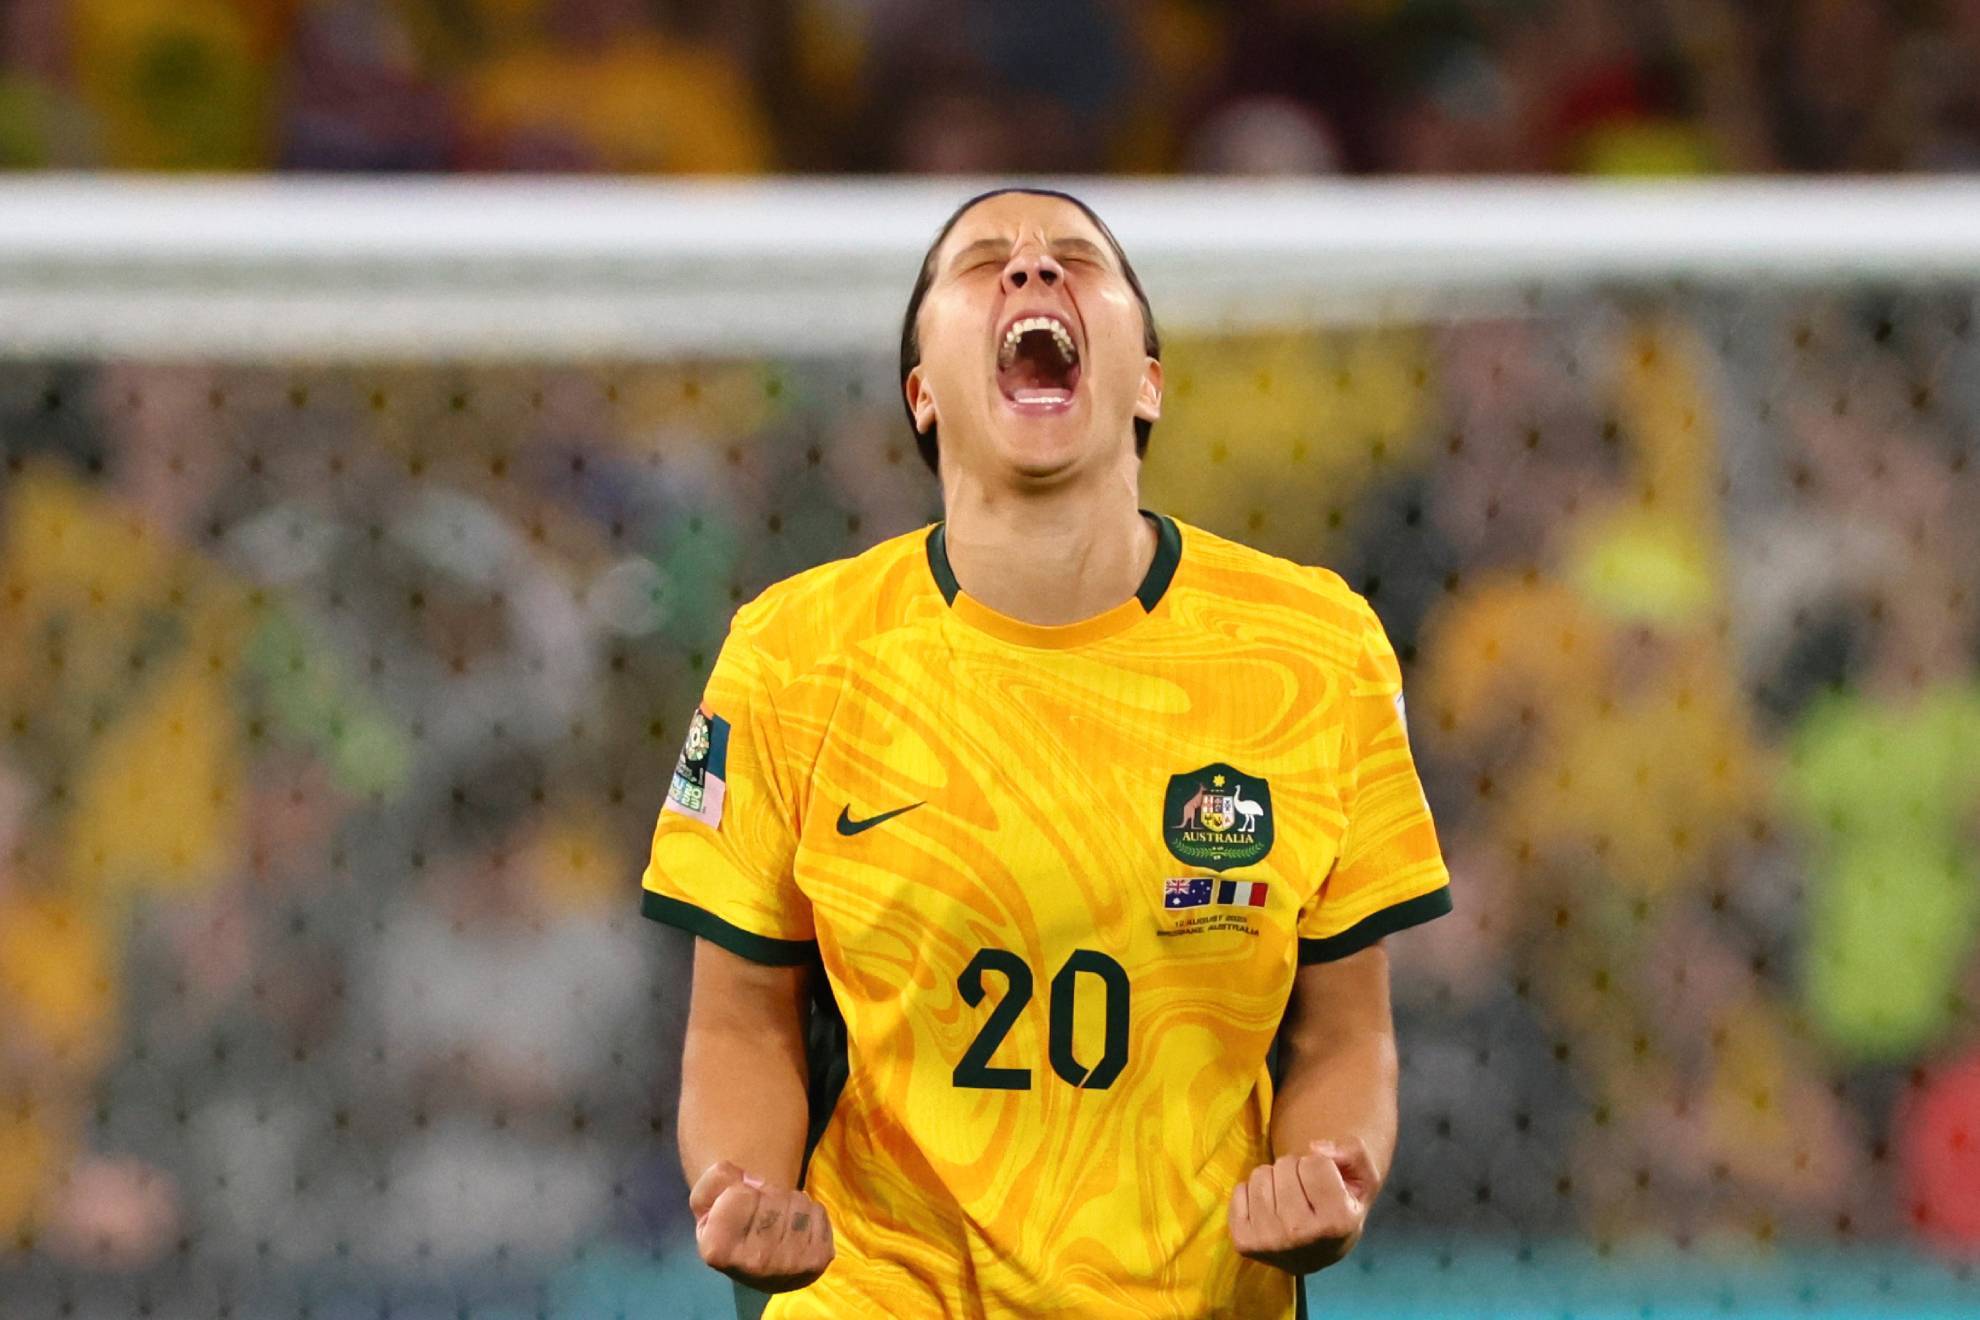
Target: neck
<point>1050,555</point>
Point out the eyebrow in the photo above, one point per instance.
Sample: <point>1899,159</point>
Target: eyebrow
<point>1060,246</point>
<point>981,245</point>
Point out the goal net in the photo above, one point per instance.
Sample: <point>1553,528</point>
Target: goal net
<point>364,549</point>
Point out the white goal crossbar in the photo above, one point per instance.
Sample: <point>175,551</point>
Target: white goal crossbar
<point>325,269</point>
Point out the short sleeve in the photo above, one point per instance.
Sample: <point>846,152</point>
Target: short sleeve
<point>726,840</point>
<point>1389,874</point>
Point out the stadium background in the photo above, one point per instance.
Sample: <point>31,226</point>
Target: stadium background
<point>337,695</point>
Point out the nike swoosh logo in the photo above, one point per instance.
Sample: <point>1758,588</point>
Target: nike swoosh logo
<point>847,825</point>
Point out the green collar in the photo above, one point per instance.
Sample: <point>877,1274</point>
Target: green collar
<point>1161,570</point>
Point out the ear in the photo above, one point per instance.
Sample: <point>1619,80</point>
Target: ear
<point>920,401</point>
<point>1148,399</point>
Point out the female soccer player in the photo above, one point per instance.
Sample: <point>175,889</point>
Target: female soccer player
<point>1014,845</point>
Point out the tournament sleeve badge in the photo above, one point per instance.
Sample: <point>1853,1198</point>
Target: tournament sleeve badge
<point>1217,817</point>
<point>700,782</point>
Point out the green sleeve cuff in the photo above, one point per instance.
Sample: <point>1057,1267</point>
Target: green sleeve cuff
<point>744,944</point>
<point>1409,912</point>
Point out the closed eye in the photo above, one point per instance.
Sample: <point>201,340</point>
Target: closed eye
<point>984,253</point>
<point>1078,252</point>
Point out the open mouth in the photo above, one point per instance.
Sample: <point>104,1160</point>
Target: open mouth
<point>1038,363</point>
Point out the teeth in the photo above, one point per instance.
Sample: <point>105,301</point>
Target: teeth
<point>1019,329</point>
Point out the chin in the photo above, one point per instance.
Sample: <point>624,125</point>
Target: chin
<point>1039,447</point>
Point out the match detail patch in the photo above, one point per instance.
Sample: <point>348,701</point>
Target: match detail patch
<point>1194,891</point>
<point>700,782</point>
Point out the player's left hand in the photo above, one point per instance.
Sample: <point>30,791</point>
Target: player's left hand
<point>1302,1213</point>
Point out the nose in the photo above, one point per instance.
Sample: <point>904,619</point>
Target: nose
<point>1030,264</point>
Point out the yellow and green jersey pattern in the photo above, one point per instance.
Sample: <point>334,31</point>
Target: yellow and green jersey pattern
<point>1059,880</point>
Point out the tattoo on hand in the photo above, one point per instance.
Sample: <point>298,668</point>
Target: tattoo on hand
<point>767,1221</point>
<point>800,1221</point>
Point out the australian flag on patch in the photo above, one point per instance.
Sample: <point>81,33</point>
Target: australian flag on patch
<point>1187,893</point>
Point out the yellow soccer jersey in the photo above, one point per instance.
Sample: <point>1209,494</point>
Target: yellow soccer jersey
<point>1059,880</point>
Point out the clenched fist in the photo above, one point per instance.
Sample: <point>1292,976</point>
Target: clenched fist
<point>1303,1212</point>
<point>771,1239</point>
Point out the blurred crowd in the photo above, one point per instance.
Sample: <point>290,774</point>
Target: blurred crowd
<point>994,86</point>
<point>1683,593</point>
<point>336,705</point>
<point>336,709</point>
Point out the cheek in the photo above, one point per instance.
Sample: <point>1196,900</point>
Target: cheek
<point>951,351</point>
<point>1114,339</point>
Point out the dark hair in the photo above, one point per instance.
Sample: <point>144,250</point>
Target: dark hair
<point>1151,341</point>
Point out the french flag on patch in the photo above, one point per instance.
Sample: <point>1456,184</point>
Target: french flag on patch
<point>1241,893</point>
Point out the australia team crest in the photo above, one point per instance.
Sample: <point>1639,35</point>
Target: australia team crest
<point>1218,817</point>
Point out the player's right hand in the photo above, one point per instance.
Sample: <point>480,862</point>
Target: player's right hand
<point>771,1239</point>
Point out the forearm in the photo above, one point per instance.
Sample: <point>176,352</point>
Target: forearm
<point>1337,1085</point>
<point>1333,1119</point>
<point>743,1077</point>
<point>1337,1056</point>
